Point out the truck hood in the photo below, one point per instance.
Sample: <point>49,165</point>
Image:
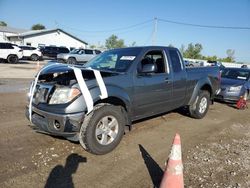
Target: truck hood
<point>66,73</point>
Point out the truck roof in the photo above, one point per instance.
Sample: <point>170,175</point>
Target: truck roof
<point>146,47</point>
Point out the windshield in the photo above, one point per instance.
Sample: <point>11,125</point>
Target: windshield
<point>117,60</point>
<point>235,74</point>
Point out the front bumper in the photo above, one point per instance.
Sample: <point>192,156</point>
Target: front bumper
<point>226,96</point>
<point>66,125</point>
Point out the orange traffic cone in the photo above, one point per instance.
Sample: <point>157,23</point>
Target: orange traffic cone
<point>38,67</point>
<point>173,175</point>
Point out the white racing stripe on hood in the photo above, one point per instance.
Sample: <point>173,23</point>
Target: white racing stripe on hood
<point>98,76</point>
<point>84,89</point>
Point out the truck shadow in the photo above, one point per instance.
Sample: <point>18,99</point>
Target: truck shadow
<point>61,176</point>
<point>182,111</point>
<point>153,168</point>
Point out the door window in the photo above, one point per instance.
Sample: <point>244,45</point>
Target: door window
<point>155,57</point>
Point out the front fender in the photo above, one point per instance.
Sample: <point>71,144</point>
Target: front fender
<point>201,84</point>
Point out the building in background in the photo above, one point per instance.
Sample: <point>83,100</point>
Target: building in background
<point>6,32</point>
<point>46,37</point>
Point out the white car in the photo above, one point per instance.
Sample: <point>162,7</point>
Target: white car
<point>10,52</point>
<point>77,56</point>
<point>31,53</point>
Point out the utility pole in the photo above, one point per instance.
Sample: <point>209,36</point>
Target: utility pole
<point>56,24</point>
<point>154,37</point>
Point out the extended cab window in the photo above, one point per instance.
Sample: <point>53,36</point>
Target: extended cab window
<point>155,57</point>
<point>175,60</point>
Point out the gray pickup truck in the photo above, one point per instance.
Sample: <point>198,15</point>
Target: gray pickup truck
<point>94,103</point>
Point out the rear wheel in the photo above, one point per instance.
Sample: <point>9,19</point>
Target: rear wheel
<point>12,59</point>
<point>199,109</point>
<point>102,129</point>
<point>34,57</point>
<point>71,60</point>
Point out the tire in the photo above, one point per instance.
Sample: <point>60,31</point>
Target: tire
<point>34,57</point>
<point>12,59</point>
<point>71,60</point>
<point>98,138</point>
<point>199,109</point>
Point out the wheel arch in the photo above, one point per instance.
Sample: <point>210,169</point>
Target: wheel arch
<point>71,57</point>
<point>204,85</point>
<point>34,54</point>
<point>11,55</point>
<point>117,101</point>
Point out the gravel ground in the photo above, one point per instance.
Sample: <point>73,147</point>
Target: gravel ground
<point>215,149</point>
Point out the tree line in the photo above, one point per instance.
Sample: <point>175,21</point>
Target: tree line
<point>33,27</point>
<point>193,51</point>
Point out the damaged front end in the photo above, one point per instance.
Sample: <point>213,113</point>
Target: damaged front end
<point>58,107</point>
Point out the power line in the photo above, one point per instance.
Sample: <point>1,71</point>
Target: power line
<point>205,26</point>
<point>111,30</point>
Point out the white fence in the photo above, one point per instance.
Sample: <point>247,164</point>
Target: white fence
<point>200,62</point>
<point>237,65</point>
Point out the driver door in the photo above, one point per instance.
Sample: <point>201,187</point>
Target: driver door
<point>153,91</point>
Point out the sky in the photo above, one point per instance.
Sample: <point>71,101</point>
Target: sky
<point>133,20</point>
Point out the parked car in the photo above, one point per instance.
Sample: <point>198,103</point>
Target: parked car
<point>94,103</point>
<point>187,63</point>
<point>244,66</point>
<point>78,56</point>
<point>31,53</point>
<point>52,51</point>
<point>195,64</point>
<point>10,53</point>
<point>235,83</point>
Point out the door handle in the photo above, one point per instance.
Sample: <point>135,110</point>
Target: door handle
<point>167,80</point>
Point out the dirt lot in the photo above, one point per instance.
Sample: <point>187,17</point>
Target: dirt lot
<point>215,149</point>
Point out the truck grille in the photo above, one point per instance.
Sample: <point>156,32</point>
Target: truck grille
<point>41,94</point>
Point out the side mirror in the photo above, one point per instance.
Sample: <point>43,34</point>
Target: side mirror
<point>148,68</point>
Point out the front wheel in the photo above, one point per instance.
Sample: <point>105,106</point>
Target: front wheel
<point>12,59</point>
<point>34,57</point>
<point>199,109</point>
<point>71,61</point>
<point>102,129</point>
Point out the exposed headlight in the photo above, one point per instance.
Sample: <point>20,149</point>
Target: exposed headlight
<point>235,89</point>
<point>64,95</point>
